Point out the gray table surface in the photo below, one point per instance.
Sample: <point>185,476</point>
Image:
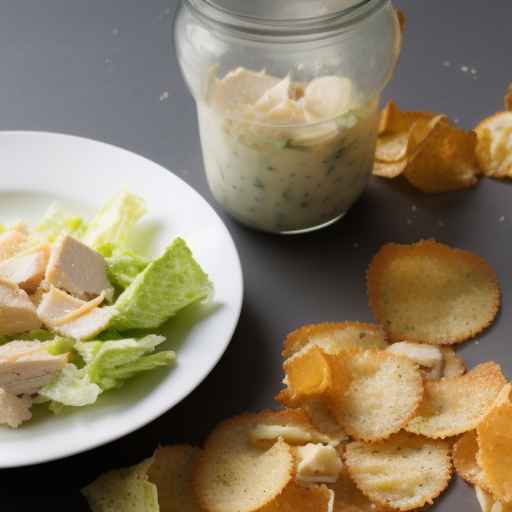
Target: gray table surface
<point>106,70</point>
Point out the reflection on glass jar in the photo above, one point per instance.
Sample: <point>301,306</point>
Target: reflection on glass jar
<point>287,108</point>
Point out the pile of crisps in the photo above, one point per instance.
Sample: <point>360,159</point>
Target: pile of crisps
<point>427,149</point>
<point>370,413</point>
<point>436,156</point>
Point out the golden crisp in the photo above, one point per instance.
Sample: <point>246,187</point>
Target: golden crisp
<point>232,475</point>
<point>454,406</point>
<point>433,154</point>
<point>126,489</point>
<point>384,393</point>
<point>495,454</point>
<point>392,147</point>
<point>444,160</point>
<point>399,134</point>
<point>389,170</point>
<point>323,420</point>
<point>404,472</point>
<point>494,149</point>
<point>465,453</point>
<point>313,498</point>
<point>394,120</point>
<point>504,396</point>
<point>313,374</point>
<point>454,365</point>
<point>348,498</point>
<point>431,293</point>
<point>308,374</point>
<point>171,471</point>
<point>401,19</point>
<point>396,149</point>
<point>489,504</point>
<point>334,337</point>
<point>508,98</point>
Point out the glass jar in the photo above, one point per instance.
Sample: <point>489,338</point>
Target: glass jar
<point>287,96</point>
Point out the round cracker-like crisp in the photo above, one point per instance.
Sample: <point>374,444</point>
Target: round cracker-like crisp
<point>323,420</point>
<point>311,498</point>
<point>508,98</point>
<point>495,454</point>
<point>392,147</point>
<point>171,471</point>
<point>454,365</point>
<point>394,120</point>
<point>444,160</point>
<point>384,393</point>
<point>334,337</point>
<point>233,475</point>
<point>453,406</point>
<point>494,148</point>
<point>465,461</point>
<point>404,472</point>
<point>347,497</point>
<point>311,373</point>
<point>431,293</point>
<point>389,170</point>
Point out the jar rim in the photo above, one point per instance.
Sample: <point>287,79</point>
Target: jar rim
<point>211,11</point>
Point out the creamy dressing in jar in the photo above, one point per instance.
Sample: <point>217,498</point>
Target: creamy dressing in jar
<point>283,156</point>
<point>287,96</point>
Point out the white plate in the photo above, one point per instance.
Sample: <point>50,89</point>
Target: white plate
<point>40,168</point>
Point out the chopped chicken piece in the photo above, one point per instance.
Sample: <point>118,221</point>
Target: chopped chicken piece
<point>318,464</point>
<point>57,304</point>
<point>26,270</point>
<point>26,366</point>
<point>11,242</point>
<point>19,348</point>
<point>77,269</point>
<point>88,325</point>
<point>72,317</point>
<point>426,356</point>
<point>13,410</point>
<point>17,313</point>
<point>86,307</point>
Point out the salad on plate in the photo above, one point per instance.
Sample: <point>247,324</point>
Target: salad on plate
<point>80,309</point>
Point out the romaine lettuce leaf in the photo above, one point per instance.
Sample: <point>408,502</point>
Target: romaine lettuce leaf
<point>71,387</point>
<point>168,284</point>
<point>110,334</point>
<point>124,266</point>
<point>60,345</point>
<point>110,363</point>
<point>55,223</point>
<point>111,226</point>
<point>126,490</point>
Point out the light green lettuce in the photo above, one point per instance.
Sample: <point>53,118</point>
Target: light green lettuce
<point>111,226</point>
<point>124,266</point>
<point>60,345</point>
<point>56,222</point>
<point>126,490</point>
<point>109,363</point>
<point>167,285</point>
<point>72,387</point>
